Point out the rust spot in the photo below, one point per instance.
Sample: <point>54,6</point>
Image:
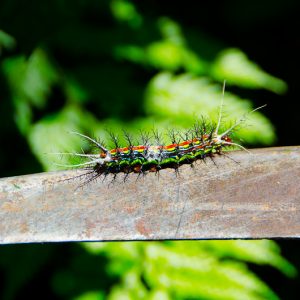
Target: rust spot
<point>142,229</point>
<point>11,207</point>
<point>197,217</point>
<point>24,228</point>
<point>266,207</point>
<point>90,226</point>
<point>130,208</point>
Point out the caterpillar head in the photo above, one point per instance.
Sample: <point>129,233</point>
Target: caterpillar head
<point>221,139</point>
<point>226,138</point>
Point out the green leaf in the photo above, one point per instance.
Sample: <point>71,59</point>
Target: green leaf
<point>130,52</point>
<point>30,82</point>
<point>262,252</point>
<point>22,115</point>
<point>164,55</point>
<point>39,77</point>
<point>31,79</point>
<point>189,269</point>
<point>234,66</point>
<point>6,41</point>
<point>52,135</point>
<point>125,11</point>
<point>185,98</point>
<point>92,295</point>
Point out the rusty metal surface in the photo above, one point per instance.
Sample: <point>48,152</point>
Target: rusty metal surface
<point>258,198</point>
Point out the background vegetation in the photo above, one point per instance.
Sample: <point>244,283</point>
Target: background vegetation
<point>120,64</point>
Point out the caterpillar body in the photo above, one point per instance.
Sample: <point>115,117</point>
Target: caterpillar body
<point>153,158</point>
<point>198,143</point>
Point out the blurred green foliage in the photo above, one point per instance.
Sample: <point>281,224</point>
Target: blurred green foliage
<point>181,89</point>
<point>190,270</point>
<point>6,41</point>
<point>134,72</point>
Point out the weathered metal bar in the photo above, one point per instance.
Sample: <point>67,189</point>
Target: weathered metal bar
<point>257,198</point>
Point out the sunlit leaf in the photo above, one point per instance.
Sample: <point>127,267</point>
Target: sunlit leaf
<point>124,10</point>
<point>53,135</point>
<point>30,81</point>
<point>91,296</point>
<point>185,98</point>
<point>40,75</point>
<point>260,252</point>
<point>234,66</point>
<point>164,55</point>
<point>190,269</point>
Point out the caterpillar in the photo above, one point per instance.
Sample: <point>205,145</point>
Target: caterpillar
<point>203,140</point>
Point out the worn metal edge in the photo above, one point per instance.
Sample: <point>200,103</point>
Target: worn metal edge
<point>209,202</point>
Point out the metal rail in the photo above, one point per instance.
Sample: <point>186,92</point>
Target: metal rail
<point>257,198</point>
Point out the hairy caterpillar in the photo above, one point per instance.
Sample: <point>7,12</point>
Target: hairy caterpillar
<point>201,141</point>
